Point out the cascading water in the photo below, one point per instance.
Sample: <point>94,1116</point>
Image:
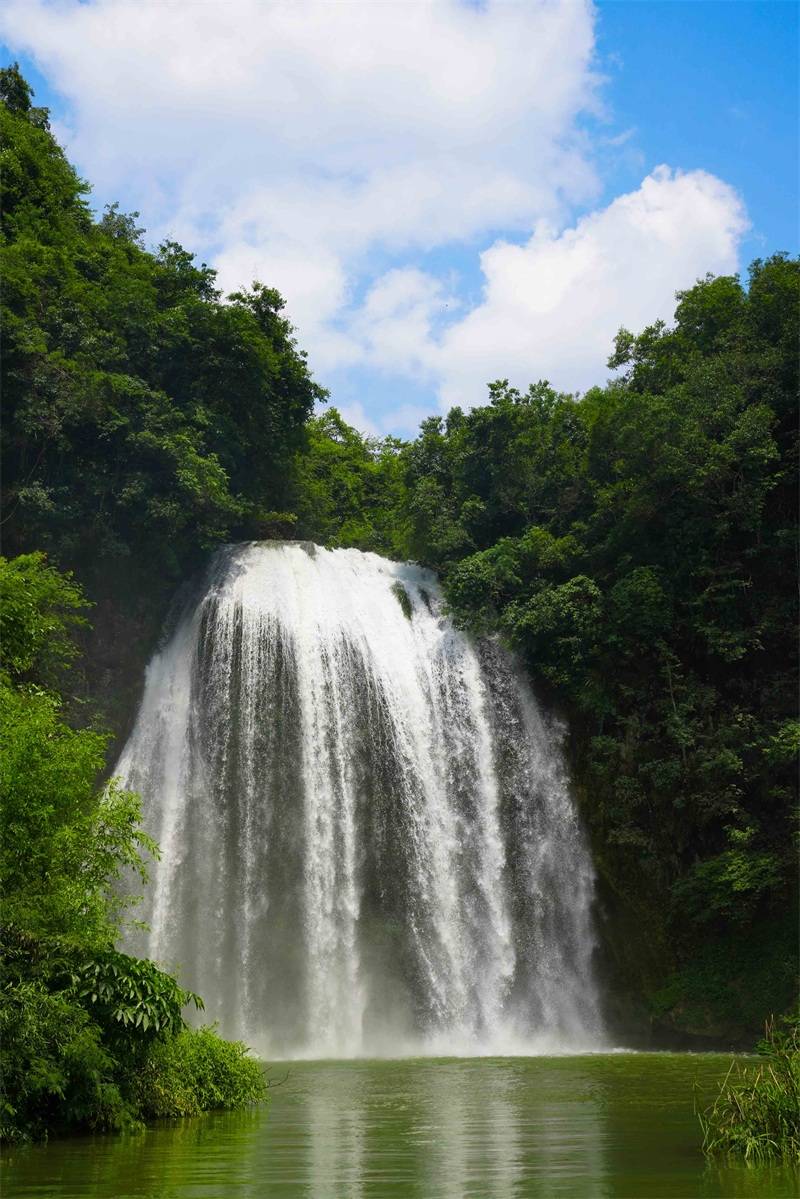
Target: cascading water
<point>368,842</point>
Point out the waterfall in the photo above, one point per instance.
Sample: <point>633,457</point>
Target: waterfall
<point>368,843</point>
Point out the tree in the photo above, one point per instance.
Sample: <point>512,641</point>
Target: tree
<point>145,419</point>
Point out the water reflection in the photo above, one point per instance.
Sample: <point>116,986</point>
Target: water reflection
<point>472,1129</point>
<point>571,1128</point>
<point>494,1128</point>
<point>333,1113</point>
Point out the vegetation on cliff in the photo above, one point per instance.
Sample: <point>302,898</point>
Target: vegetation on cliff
<point>637,546</point>
<point>92,1038</point>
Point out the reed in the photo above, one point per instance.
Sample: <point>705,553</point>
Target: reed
<point>756,1114</point>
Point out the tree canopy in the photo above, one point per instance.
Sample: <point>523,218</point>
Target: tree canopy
<point>637,545</point>
<point>144,417</point>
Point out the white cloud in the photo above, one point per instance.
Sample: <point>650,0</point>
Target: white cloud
<point>401,421</point>
<point>552,306</point>
<point>404,420</point>
<point>275,134</point>
<point>355,415</point>
<point>326,147</point>
<point>397,322</point>
<point>318,282</point>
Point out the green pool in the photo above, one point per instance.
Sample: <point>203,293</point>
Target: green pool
<point>578,1127</point>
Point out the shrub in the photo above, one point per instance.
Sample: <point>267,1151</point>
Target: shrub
<point>198,1071</point>
<point>57,1074</point>
<point>757,1111</point>
<point>78,1018</point>
<point>133,993</point>
<point>99,1043</point>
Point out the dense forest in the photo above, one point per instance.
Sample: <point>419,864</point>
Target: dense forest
<point>635,545</point>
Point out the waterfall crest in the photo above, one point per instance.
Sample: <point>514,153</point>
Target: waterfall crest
<point>368,841</point>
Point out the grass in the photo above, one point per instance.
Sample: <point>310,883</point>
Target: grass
<point>756,1114</point>
<point>403,599</point>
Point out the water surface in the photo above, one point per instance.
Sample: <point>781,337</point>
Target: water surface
<point>616,1125</point>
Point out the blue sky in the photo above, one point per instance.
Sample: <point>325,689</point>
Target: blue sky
<point>446,193</point>
<point>713,84</point>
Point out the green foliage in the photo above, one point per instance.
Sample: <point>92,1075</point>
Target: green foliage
<point>197,1071</point>
<point>144,419</point>
<point>756,1114</point>
<point>731,882</point>
<point>79,1021</point>
<point>134,993</point>
<point>403,599</point>
<point>16,93</point>
<point>39,611</point>
<point>637,546</point>
<point>64,843</point>
<point>349,489</point>
<point>96,1039</point>
<point>728,979</point>
<point>56,1072</point>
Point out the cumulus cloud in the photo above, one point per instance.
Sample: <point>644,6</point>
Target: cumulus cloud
<point>398,321</point>
<point>355,415</point>
<point>327,148</point>
<point>293,138</point>
<point>552,306</point>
